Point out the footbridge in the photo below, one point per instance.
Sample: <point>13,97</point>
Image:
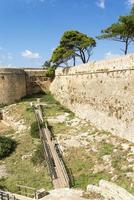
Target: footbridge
<point>52,154</point>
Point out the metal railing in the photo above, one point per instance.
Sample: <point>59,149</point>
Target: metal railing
<point>26,191</point>
<point>47,151</point>
<point>7,196</point>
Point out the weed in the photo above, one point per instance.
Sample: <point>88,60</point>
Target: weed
<point>105,149</point>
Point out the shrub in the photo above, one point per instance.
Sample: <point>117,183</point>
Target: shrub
<point>7,146</point>
<point>35,130</point>
<point>38,157</point>
<point>50,72</point>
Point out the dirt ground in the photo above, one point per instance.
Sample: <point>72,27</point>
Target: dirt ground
<point>3,127</point>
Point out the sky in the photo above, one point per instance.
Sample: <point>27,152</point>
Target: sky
<point>31,29</point>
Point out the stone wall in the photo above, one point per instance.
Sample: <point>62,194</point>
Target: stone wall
<point>36,81</point>
<point>17,83</point>
<point>12,85</point>
<point>101,92</point>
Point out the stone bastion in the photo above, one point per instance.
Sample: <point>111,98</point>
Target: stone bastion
<point>17,83</point>
<point>12,85</point>
<point>101,92</point>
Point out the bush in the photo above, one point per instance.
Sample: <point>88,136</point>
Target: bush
<point>7,146</point>
<point>35,130</point>
<point>38,157</point>
<point>50,72</point>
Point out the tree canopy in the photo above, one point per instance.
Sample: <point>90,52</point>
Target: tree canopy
<point>122,31</point>
<point>73,44</point>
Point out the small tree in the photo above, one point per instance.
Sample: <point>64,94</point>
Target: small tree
<point>73,44</point>
<point>122,31</point>
<point>7,146</point>
<point>50,67</point>
<point>61,55</point>
<point>46,64</point>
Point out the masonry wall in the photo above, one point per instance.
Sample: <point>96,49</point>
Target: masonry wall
<point>17,83</point>
<point>101,92</point>
<point>12,85</point>
<point>36,81</point>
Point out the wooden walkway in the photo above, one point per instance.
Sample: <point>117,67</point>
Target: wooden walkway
<point>55,163</point>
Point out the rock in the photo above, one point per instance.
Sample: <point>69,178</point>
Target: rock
<point>114,178</point>
<point>93,188</point>
<point>64,194</point>
<point>132,149</point>
<point>98,168</point>
<point>112,191</point>
<point>125,146</point>
<point>130,175</point>
<point>3,172</point>
<point>107,158</point>
<point>26,156</point>
<point>130,159</point>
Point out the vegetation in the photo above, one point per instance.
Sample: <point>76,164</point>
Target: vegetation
<point>19,165</point>
<point>50,67</point>
<point>105,149</point>
<point>73,44</point>
<point>38,156</point>
<point>50,72</point>
<point>122,31</point>
<point>35,130</point>
<point>7,146</point>
<point>87,163</point>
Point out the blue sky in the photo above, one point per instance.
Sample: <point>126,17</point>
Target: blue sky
<point>31,29</point>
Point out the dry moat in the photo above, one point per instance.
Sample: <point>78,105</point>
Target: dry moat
<point>89,154</point>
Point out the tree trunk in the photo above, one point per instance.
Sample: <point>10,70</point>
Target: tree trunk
<point>83,57</point>
<point>126,46</point>
<point>74,60</point>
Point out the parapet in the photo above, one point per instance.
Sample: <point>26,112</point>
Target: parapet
<point>120,63</point>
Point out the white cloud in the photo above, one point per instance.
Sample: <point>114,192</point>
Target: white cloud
<point>101,4</point>
<point>130,2</point>
<point>29,54</point>
<point>110,55</point>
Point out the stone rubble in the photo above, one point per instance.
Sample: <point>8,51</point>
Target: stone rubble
<point>110,191</point>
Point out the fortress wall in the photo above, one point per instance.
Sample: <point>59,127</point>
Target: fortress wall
<point>17,83</point>
<point>12,85</point>
<point>101,92</point>
<point>36,81</point>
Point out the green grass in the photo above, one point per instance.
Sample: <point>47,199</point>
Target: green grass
<point>35,130</point>
<point>21,170</point>
<point>125,182</point>
<point>38,156</point>
<point>96,177</point>
<point>80,164</point>
<point>105,149</point>
<point>19,165</point>
<point>60,128</point>
<point>79,160</point>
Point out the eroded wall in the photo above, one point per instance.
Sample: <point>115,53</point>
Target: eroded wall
<point>36,81</point>
<point>17,83</point>
<point>101,92</point>
<point>12,85</point>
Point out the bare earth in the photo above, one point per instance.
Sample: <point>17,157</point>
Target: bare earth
<point>3,127</point>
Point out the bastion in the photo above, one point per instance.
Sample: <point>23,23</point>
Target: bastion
<point>18,83</point>
<point>101,92</point>
<point>12,85</point>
